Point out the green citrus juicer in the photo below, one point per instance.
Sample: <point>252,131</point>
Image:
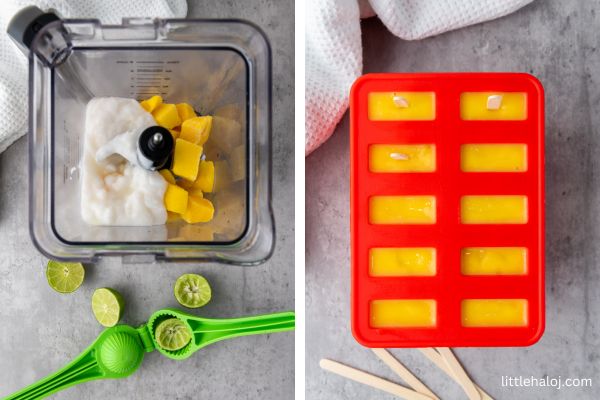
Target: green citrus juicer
<point>119,351</point>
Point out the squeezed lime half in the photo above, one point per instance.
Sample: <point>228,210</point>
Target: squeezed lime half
<point>172,334</point>
<point>192,290</point>
<point>64,277</point>
<point>107,305</point>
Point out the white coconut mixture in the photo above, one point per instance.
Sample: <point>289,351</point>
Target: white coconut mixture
<point>115,191</point>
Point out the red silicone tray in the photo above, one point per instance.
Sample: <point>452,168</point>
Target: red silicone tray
<point>448,183</point>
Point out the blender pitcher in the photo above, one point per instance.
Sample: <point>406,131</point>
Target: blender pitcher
<point>221,67</point>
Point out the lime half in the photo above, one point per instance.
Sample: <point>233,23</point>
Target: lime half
<point>172,334</point>
<point>107,305</point>
<point>192,290</point>
<point>64,277</point>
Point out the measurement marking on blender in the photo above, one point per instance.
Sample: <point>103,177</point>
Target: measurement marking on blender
<point>71,151</point>
<point>149,77</point>
<point>143,94</point>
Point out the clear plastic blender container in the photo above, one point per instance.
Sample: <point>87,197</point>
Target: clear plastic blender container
<point>221,67</point>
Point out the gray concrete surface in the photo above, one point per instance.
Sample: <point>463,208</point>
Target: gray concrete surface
<point>41,330</point>
<point>557,41</point>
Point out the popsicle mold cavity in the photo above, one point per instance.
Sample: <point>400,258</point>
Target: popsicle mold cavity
<point>402,158</point>
<point>402,210</point>
<point>493,106</point>
<point>407,261</point>
<point>494,261</point>
<point>493,157</point>
<point>401,106</point>
<point>494,312</point>
<point>403,313</point>
<point>493,209</point>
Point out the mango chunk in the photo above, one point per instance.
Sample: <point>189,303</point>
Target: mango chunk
<point>175,133</point>
<point>206,177</point>
<point>195,192</point>
<point>237,163</point>
<point>176,199</point>
<point>187,185</point>
<point>173,217</point>
<point>151,103</point>
<point>168,176</point>
<point>185,111</point>
<point>222,175</point>
<point>230,111</point>
<point>196,130</point>
<point>186,159</point>
<point>166,116</point>
<point>198,210</point>
<point>230,215</point>
<point>213,152</point>
<point>227,133</point>
<point>230,210</point>
<point>196,233</point>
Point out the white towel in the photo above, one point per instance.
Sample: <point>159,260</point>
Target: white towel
<point>334,53</point>
<point>13,64</point>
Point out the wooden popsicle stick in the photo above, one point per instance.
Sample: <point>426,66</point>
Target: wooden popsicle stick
<point>459,373</point>
<point>371,380</point>
<point>435,358</point>
<point>404,372</point>
<point>438,360</point>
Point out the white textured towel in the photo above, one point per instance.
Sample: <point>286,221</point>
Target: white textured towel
<point>13,64</point>
<point>334,53</point>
